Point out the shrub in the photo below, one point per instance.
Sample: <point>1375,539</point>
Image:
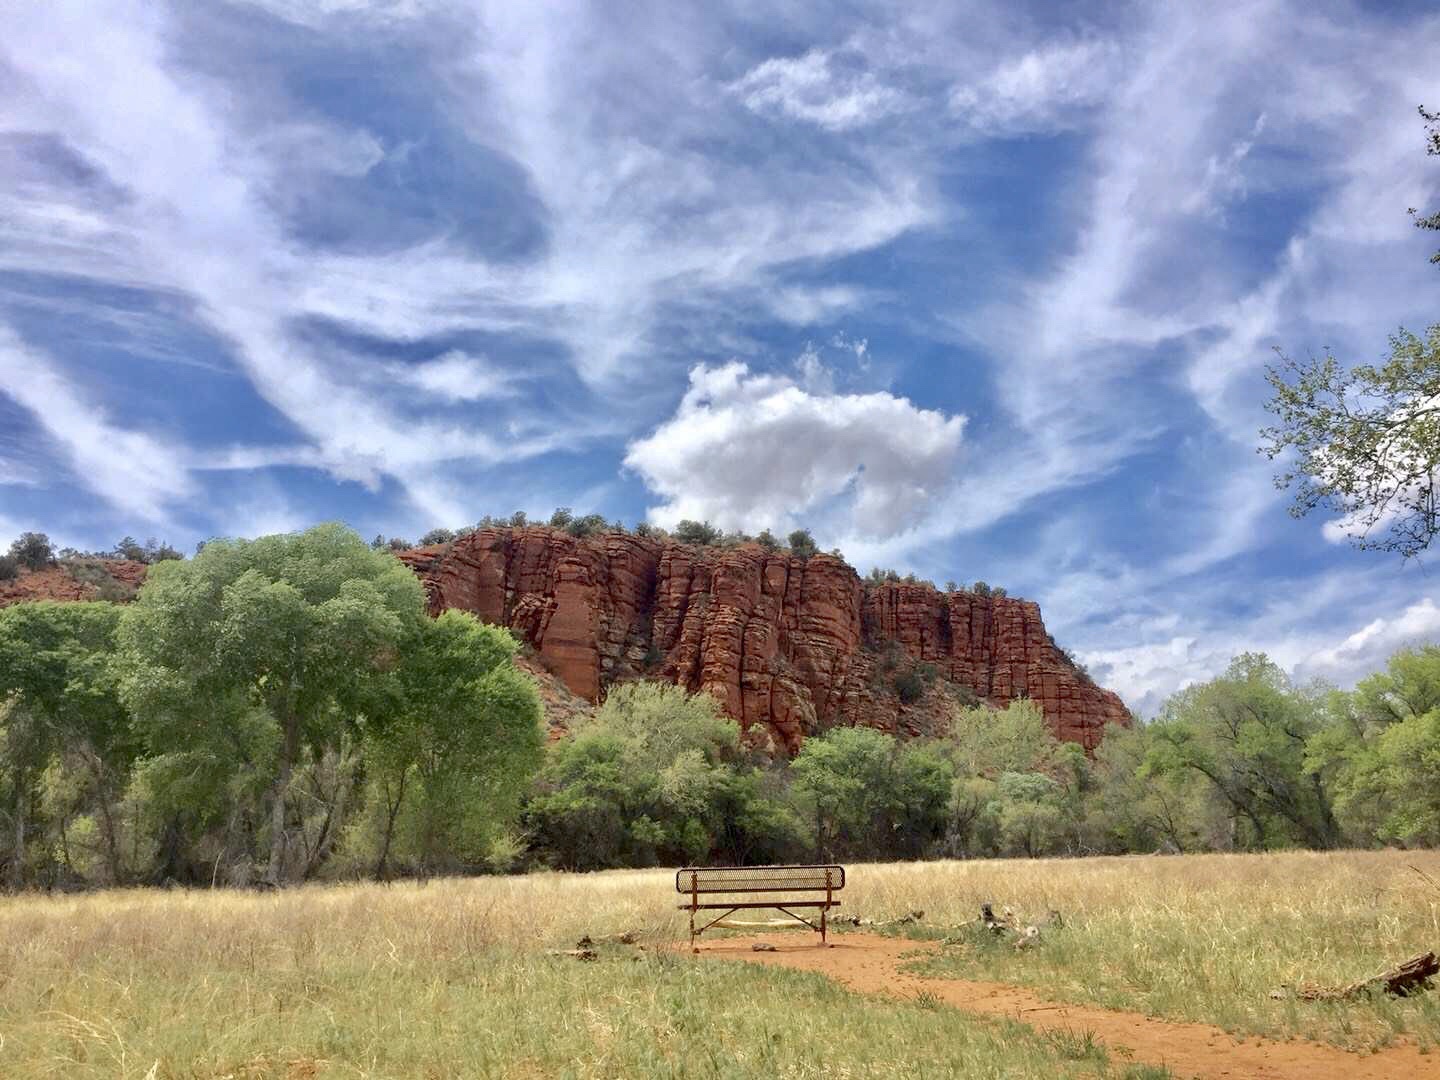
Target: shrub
<point>767,540</point>
<point>561,517</point>
<point>437,536</point>
<point>588,525</point>
<point>696,532</point>
<point>9,567</point>
<point>644,528</point>
<point>802,543</point>
<point>518,519</point>
<point>910,686</point>
<point>980,589</point>
<point>150,552</point>
<point>33,550</point>
<point>950,586</point>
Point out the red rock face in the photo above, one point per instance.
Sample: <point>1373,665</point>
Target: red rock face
<point>789,646</point>
<point>58,583</point>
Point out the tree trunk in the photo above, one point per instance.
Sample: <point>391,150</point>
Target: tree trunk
<point>107,820</point>
<point>289,750</point>
<point>334,812</point>
<point>382,867</point>
<point>17,862</point>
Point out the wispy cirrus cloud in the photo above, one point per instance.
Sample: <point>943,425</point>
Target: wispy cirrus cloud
<point>390,260</point>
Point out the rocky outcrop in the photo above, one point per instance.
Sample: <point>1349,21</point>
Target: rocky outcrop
<point>76,579</point>
<point>789,646</point>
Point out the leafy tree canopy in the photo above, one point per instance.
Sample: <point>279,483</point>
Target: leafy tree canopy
<point>295,627</point>
<point>33,550</point>
<point>1363,442</point>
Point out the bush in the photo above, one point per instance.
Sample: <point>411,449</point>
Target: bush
<point>518,519</point>
<point>150,552</point>
<point>561,517</point>
<point>696,532</point>
<point>980,589</point>
<point>588,525</point>
<point>33,550</point>
<point>802,543</point>
<point>9,568</point>
<point>437,536</point>
<point>767,540</point>
<point>910,686</point>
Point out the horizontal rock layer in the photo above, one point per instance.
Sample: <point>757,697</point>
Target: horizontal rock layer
<point>789,646</point>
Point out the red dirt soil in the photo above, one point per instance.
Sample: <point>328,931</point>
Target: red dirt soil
<point>871,964</point>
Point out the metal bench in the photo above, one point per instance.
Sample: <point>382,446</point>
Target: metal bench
<point>695,882</point>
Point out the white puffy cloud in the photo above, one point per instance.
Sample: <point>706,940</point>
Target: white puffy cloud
<point>816,89</point>
<point>1368,648</point>
<point>750,450</point>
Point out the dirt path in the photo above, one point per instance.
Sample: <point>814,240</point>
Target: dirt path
<point>871,964</point>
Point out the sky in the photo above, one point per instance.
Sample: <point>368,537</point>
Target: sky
<point>976,291</point>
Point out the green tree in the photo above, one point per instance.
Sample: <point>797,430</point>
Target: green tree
<point>437,536</point>
<point>802,543</point>
<point>696,532</point>
<point>1364,443</point>
<point>987,742</point>
<point>589,525</point>
<point>648,777</point>
<point>561,517</point>
<point>1029,812</point>
<point>33,550</point>
<point>1246,733</point>
<point>55,667</point>
<point>1133,807</point>
<point>285,636</point>
<point>868,795</point>
<point>455,746</point>
<point>1380,749</point>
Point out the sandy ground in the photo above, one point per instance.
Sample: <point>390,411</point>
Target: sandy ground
<point>871,964</point>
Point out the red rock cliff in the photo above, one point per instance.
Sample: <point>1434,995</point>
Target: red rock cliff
<point>788,645</point>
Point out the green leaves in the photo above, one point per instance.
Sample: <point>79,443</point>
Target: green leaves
<point>1364,443</point>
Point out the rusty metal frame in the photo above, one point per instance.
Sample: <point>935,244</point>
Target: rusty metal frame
<point>834,880</point>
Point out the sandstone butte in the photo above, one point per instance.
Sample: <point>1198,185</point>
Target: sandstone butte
<point>789,646</point>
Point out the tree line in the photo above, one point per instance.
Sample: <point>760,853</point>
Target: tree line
<point>282,709</point>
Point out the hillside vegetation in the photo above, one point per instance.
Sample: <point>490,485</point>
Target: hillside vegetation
<point>283,710</point>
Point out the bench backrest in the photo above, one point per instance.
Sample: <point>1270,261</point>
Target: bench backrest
<point>731,879</point>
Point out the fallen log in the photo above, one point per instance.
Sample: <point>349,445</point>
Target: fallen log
<point>1401,980</point>
<point>576,954</point>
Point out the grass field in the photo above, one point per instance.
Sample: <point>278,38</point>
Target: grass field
<point>454,978</point>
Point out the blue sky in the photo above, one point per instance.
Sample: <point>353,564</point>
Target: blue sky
<point>982,291</point>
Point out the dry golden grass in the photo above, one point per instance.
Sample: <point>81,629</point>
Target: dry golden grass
<point>452,977</point>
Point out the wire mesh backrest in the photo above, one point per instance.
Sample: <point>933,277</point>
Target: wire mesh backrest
<point>728,879</point>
